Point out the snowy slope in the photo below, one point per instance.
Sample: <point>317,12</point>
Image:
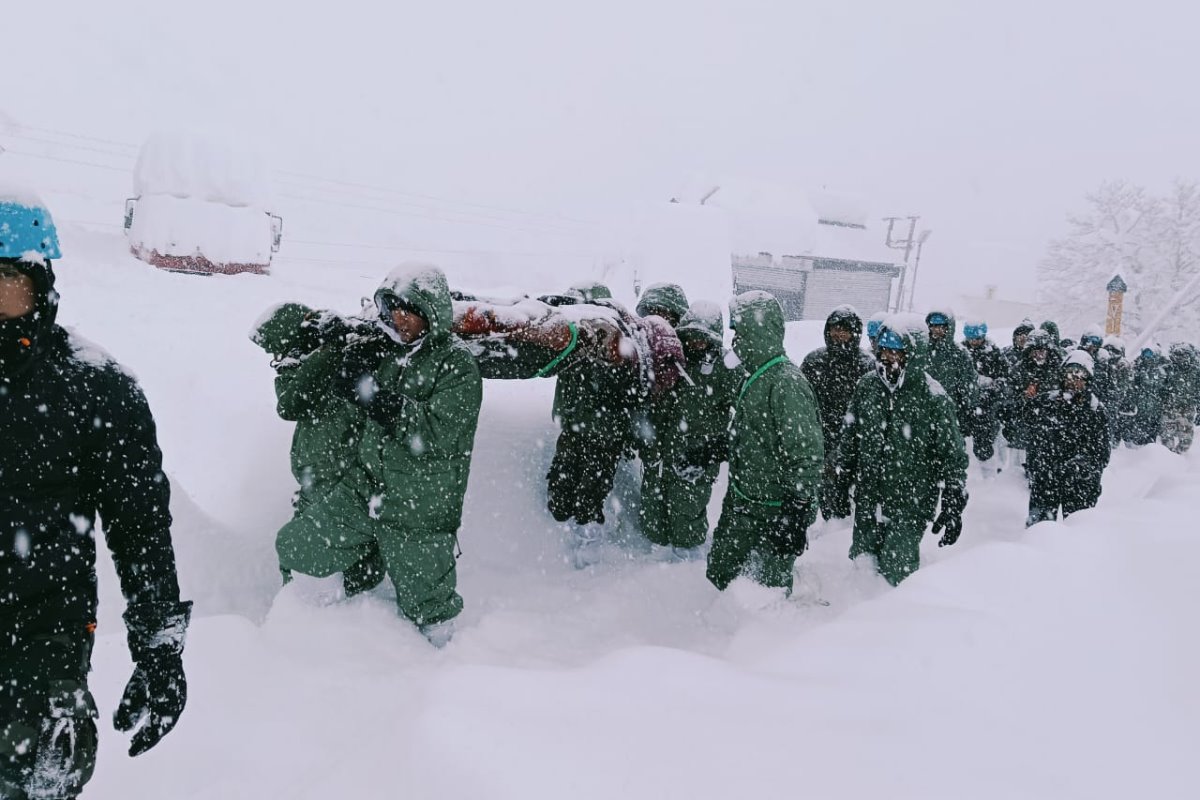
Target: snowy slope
<point>1057,662</point>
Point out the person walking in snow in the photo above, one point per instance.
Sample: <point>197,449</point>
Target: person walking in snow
<point>1181,398</point>
<point>775,455</point>
<point>1036,372</point>
<point>594,404</point>
<point>901,452</point>
<point>688,437</point>
<point>79,442</point>
<point>1146,397</point>
<point>833,371</point>
<point>413,394</point>
<point>953,368</point>
<point>1012,353</point>
<point>991,371</point>
<point>1067,443</point>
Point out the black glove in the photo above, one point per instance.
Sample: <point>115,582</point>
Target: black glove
<point>359,360</point>
<point>384,407</point>
<point>157,692</point>
<point>790,537</point>
<point>835,494</point>
<point>711,450</point>
<point>321,328</point>
<point>954,500</point>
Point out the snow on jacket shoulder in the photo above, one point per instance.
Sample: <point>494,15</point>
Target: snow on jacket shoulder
<point>79,442</point>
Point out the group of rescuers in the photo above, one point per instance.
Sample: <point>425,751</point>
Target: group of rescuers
<point>386,406</point>
<point>385,429</point>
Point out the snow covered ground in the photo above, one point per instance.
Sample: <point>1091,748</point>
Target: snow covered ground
<point>1051,663</point>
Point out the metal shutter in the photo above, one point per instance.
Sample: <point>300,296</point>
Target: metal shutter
<point>827,289</point>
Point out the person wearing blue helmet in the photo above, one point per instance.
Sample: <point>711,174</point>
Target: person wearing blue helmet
<point>950,365</point>
<point>79,442</point>
<point>991,369</point>
<point>901,452</point>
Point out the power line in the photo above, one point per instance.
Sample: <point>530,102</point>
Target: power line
<point>68,144</point>
<point>74,136</point>
<point>123,170</point>
<point>440,250</point>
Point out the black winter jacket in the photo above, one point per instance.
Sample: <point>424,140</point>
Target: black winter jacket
<point>77,441</point>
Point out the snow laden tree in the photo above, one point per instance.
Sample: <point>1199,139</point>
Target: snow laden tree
<point>1152,242</point>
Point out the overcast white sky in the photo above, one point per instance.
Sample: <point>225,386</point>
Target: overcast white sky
<point>989,119</point>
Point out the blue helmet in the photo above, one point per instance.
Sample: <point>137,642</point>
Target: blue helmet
<point>890,340</point>
<point>937,318</point>
<point>26,228</point>
<point>873,326</point>
<point>977,331</point>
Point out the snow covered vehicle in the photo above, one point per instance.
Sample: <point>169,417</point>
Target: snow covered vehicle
<point>200,206</point>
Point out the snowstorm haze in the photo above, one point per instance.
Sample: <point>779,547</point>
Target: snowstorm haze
<point>991,120</point>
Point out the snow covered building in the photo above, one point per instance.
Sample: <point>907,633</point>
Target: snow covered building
<point>200,205</point>
<point>834,257</point>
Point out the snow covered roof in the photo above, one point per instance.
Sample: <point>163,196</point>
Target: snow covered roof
<point>15,192</point>
<point>191,165</point>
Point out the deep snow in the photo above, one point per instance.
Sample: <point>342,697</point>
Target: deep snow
<point>1056,662</point>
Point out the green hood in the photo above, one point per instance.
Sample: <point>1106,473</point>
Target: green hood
<point>278,331</point>
<point>847,316</point>
<point>425,287</point>
<point>663,295</point>
<point>757,320</point>
<point>590,291</point>
<point>703,319</point>
<point>1051,327</point>
<point>915,333</point>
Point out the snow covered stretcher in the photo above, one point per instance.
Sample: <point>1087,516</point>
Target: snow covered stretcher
<point>528,338</point>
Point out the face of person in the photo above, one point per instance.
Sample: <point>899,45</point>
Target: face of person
<point>409,325</point>
<point>695,344</point>
<point>840,335</point>
<point>974,344</point>
<point>1040,355</point>
<point>938,332</point>
<point>1019,340</point>
<point>893,362</point>
<point>16,294</point>
<point>1074,381</point>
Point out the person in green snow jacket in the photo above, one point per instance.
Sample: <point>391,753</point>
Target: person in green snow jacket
<point>688,437</point>
<point>952,367</point>
<point>775,455</point>
<point>901,446</point>
<point>593,404</point>
<point>412,395</point>
<point>666,300</point>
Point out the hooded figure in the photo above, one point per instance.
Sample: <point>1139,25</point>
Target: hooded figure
<point>689,426</point>
<point>952,367</point>
<point>594,403</point>
<point>414,392</point>
<point>1146,397</point>
<point>79,442</point>
<point>1036,372</point>
<point>1181,397</point>
<point>1067,443</point>
<point>833,371</point>
<point>775,454</point>
<point>666,300</point>
<point>901,451</point>
<point>991,370</point>
<point>1012,353</point>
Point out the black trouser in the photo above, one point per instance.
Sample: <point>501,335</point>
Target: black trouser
<point>1049,491</point>
<point>581,474</point>
<point>47,714</point>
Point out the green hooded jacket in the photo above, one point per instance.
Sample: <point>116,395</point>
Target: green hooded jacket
<point>695,412</point>
<point>325,440</point>
<point>952,367</point>
<point>900,447</point>
<point>422,457</point>
<point>667,296</point>
<point>776,446</point>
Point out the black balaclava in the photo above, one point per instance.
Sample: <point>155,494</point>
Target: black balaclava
<point>22,338</point>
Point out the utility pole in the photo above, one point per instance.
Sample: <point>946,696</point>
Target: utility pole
<point>905,244</point>
<point>912,287</point>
